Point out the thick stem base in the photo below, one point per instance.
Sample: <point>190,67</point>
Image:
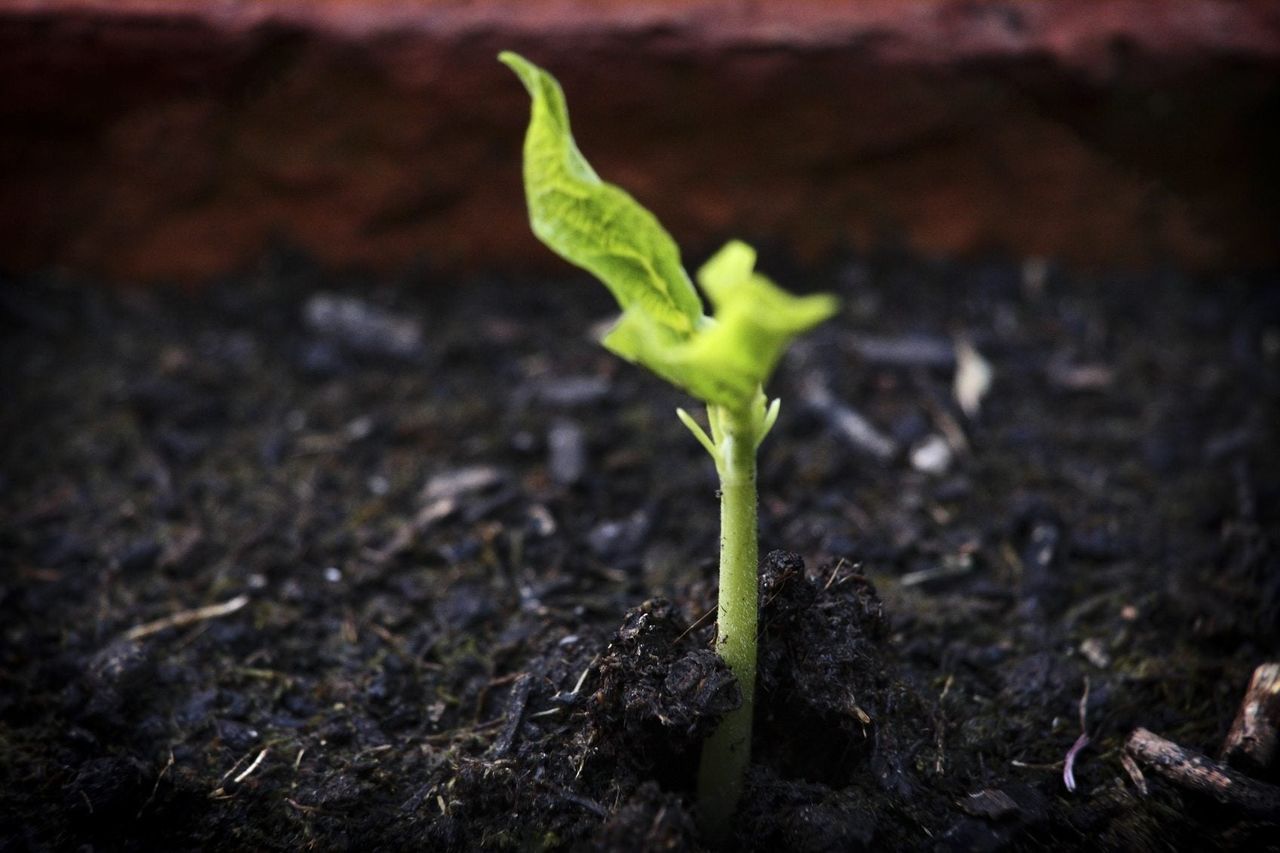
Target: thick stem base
<point>727,752</point>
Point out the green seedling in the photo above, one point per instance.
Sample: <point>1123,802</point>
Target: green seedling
<point>722,360</point>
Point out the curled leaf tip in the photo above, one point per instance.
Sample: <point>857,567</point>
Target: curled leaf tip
<point>524,69</point>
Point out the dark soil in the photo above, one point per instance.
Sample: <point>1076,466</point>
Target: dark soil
<point>479,558</point>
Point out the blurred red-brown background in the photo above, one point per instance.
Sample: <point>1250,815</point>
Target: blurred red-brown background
<point>148,140</point>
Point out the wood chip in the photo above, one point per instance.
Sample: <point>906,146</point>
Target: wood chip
<point>1253,743</point>
<point>1135,773</point>
<point>1193,771</point>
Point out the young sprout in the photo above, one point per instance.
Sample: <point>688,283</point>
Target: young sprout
<point>722,360</point>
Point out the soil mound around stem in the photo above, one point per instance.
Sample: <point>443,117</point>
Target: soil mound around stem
<point>833,757</point>
<point>825,669</point>
<point>831,754</point>
<point>661,693</point>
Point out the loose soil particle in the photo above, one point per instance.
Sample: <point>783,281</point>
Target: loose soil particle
<point>480,567</point>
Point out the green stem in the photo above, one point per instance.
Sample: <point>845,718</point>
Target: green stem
<point>727,752</point>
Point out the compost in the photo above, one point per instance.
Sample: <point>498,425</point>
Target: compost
<point>308,560</point>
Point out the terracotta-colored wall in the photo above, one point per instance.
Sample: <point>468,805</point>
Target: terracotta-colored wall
<point>175,140</point>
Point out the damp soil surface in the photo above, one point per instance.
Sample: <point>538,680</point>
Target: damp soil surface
<point>310,561</point>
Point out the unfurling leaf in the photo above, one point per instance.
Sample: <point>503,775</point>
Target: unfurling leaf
<point>755,320</point>
<point>722,361</point>
<point>595,224</point>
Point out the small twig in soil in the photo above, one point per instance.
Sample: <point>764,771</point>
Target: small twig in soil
<point>1196,772</point>
<point>411,531</point>
<point>221,792</point>
<point>1069,763</point>
<point>696,623</point>
<point>248,771</point>
<point>262,674</point>
<point>1253,744</point>
<point>187,617</point>
<point>383,747</point>
<point>939,573</point>
<point>1135,773</point>
<point>549,712</point>
<point>940,724</point>
<point>164,771</point>
<point>504,679</point>
<point>300,807</point>
<point>515,714</point>
<point>846,422</point>
<point>236,766</point>
<point>839,564</point>
<point>582,679</point>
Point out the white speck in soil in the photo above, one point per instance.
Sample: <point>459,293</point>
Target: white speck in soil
<point>932,456</point>
<point>566,452</point>
<point>360,428</point>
